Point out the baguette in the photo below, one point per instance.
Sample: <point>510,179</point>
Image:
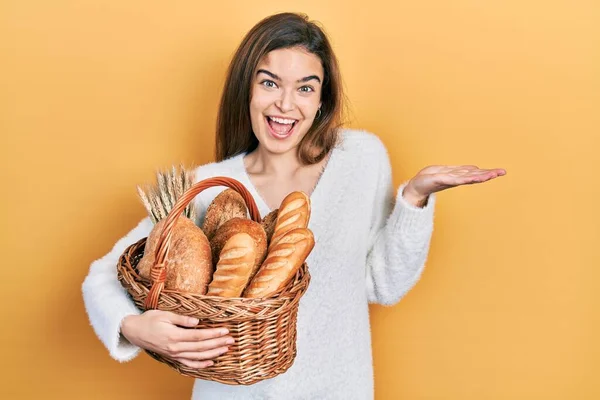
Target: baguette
<point>294,212</point>
<point>282,262</point>
<point>237,225</point>
<point>235,266</point>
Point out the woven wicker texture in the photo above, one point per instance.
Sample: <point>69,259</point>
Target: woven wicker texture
<point>264,330</point>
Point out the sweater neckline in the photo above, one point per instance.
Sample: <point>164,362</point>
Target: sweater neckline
<point>316,192</point>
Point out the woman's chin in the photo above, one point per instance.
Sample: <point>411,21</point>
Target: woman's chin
<point>275,146</point>
<point>280,148</point>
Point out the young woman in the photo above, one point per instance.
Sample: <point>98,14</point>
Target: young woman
<point>279,131</point>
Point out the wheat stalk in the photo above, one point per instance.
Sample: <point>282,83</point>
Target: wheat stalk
<point>160,198</point>
<point>190,210</point>
<point>148,205</point>
<point>178,183</point>
<point>169,183</point>
<point>163,194</point>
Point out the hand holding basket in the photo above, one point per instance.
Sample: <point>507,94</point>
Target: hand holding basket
<point>264,329</point>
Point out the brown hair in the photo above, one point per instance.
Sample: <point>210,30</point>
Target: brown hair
<point>285,30</point>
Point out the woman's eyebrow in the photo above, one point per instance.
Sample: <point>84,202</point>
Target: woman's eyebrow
<point>303,80</point>
<point>310,78</point>
<point>272,75</point>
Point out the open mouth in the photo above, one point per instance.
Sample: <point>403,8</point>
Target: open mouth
<point>281,127</point>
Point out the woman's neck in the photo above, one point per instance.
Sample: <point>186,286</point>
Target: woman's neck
<point>262,162</point>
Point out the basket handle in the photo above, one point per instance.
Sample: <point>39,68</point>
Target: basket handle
<point>158,273</point>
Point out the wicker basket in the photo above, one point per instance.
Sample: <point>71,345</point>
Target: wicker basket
<point>264,330</point>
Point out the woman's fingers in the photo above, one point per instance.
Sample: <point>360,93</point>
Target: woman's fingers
<point>473,173</point>
<point>180,320</point>
<point>200,359</point>
<point>203,355</point>
<point>204,345</point>
<point>462,177</point>
<point>196,335</point>
<point>481,176</point>
<point>195,364</point>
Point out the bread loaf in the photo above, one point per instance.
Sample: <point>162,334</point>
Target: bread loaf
<point>282,263</point>
<point>235,266</point>
<point>227,205</point>
<point>189,261</point>
<point>268,224</point>
<point>294,212</point>
<point>238,225</point>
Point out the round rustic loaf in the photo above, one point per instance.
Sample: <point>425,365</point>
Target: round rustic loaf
<point>189,261</point>
<point>268,223</point>
<point>226,205</point>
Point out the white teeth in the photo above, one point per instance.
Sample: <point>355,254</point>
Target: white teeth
<point>283,120</point>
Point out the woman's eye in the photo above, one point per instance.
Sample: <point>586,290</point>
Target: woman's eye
<point>269,84</point>
<point>306,89</point>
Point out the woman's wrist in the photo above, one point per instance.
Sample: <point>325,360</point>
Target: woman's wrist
<point>126,327</point>
<point>413,197</point>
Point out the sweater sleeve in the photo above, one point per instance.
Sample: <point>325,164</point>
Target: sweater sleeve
<point>399,240</point>
<point>107,302</point>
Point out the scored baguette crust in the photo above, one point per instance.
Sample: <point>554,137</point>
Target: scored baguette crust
<point>282,262</point>
<point>235,266</point>
<point>294,212</point>
<point>237,225</point>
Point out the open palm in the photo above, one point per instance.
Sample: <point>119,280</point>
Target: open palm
<point>435,178</point>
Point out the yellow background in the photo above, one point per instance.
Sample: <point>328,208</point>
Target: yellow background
<point>96,95</point>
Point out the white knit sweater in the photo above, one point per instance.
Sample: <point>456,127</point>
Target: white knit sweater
<point>371,246</point>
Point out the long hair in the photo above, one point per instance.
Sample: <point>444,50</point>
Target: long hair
<point>286,30</point>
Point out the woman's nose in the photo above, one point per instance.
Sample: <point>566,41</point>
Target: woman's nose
<point>286,102</point>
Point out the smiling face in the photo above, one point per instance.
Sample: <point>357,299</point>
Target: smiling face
<point>285,97</point>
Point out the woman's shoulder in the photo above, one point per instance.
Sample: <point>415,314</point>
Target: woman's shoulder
<point>362,143</point>
<point>228,167</point>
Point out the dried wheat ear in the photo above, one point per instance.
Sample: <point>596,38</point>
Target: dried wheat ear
<point>160,197</point>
